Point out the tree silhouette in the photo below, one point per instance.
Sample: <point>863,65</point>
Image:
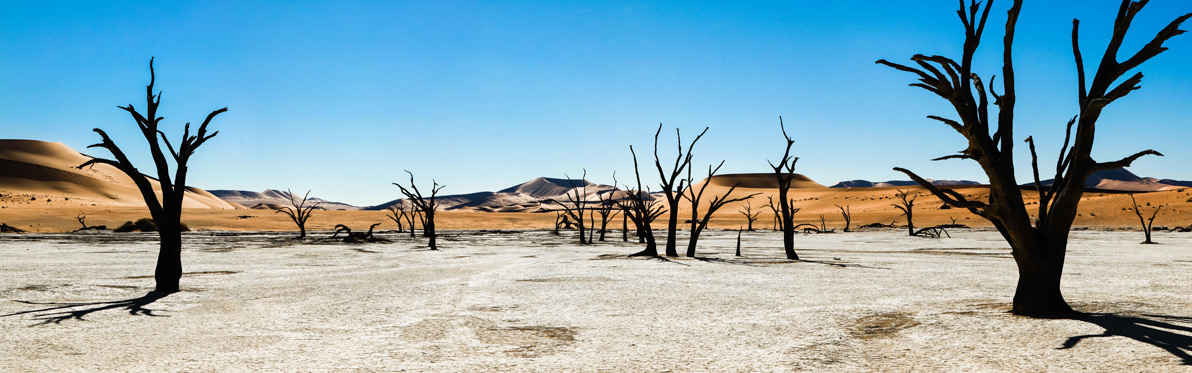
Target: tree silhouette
<point>907,206</point>
<point>166,211</point>
<point>785,173</point>
<point>397,213</point>
<point>607,208</point>
<point>574,206</point>
<point>641,212</point>
<point>699,223</point>
<point>298,211</point>
<point>425,206</point>
<point>750,216</point>
<point>682,161</point>
<point>1039,246</point>
<point>846,212</point>
<point>1146,223</point>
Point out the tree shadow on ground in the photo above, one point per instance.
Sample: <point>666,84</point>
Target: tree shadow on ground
<point>1176,339</point>
<point>58,312</point>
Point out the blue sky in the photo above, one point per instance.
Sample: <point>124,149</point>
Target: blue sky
<point>340,97</point>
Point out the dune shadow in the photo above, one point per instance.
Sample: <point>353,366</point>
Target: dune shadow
<point>1155,330</point>
<point>57,312</point>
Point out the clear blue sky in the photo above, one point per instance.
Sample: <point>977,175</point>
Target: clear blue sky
<point>340,97</point>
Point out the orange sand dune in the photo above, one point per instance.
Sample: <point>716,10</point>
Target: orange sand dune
<point>42,173</point>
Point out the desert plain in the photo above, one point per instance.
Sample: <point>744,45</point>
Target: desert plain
<point>529,300</point>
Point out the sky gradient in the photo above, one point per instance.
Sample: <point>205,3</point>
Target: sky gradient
<point>340,97</point>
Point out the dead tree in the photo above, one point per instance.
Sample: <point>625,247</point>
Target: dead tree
<point>397,213</point>
<point>846,212</point>
<point>907,206</point>
<point>83,220</point>
<point>1146,223</point>
<point>357,237</point>
<point>698,223</point>
<point>166,210</point>
<point>1039,246</point>
<point>424,206</point>
<point>750,216</point>
<point>785,173</point>
<point>682,161</point>
<point>824,223</point>
<point>777,215</point>
<point>607,208</point>
<point>299,212</point>
<point>575,205</point>
<point>412,216</point>
<point>642,212</point>
<point>738,253</point>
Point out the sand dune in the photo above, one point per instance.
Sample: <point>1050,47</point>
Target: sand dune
<point>45,173</point>
<point>274,197</point>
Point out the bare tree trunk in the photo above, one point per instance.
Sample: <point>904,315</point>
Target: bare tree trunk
<point>1040,267</point>
<point>624,226</point>
<point>168,273</point>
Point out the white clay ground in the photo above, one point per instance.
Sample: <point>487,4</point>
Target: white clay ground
<point>532,301</point>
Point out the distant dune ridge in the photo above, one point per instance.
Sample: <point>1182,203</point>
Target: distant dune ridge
<point>274,199</point>
<point>899,183</point>
<point>527,196</point>
<point>43,173</point>
<point>39,172</point>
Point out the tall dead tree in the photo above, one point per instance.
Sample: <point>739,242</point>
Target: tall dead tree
<point>1039,247</point>
<point>907,206</point>
<point>299,211</point>
<point>425,206</point>
<point>785,173</point>
<point>750,216</point>
<point>641,212</point>
<point>1146,223</point>
<point>699,223</point>
<point>672,191</point>
<point>166,210</point>
<point>575,205</point>
<point>607,208</point>
<point>846,212</point>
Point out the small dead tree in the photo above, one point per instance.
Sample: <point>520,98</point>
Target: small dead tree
<point>1146,223</point>
<point>907,206</point>
<point>642,212</point>
<point>824,223</point>
<point>424,206</point>
<point>784,171</point>
<point>397,213</point>
<point>846,212</point>
<point>575,205</point>
<point>698,223</point>
<point>607,208</point>
<point>777,226</point>
<point>299,211</point>
<point>750,216</point>
<point>1039,246</point>
<point>673,192</point>
<point>357,237</point>
<point>166,211</point>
